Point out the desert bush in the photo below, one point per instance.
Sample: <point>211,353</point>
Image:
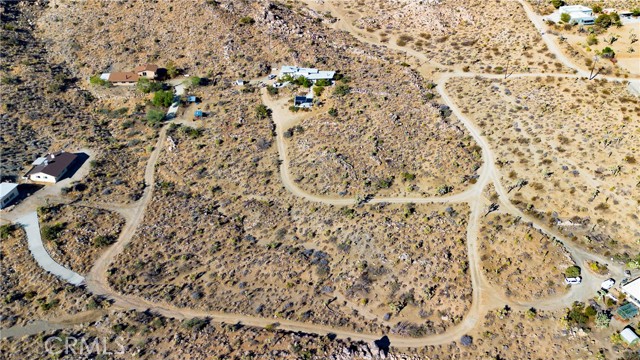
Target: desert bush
<point>154,116</point>
<point>246,20</point>
<point>572,271</point>
<point>262,111</point>
<point>52,232</point>
<point>342,90</point>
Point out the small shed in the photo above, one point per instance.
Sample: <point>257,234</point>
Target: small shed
<point>8,192</point>
<point>198,113</point>
<point>629,336</point>
<point>192,99</point>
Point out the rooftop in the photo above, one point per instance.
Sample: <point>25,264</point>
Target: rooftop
<point>572,8</point>
<point>126,76</point>
<point>629,336</point>
<point>6,188</point>
<point>632,288</point>
<point>146,67</point>
<point>54,164</point>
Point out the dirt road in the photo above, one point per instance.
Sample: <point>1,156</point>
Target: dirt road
<point>485,297</point>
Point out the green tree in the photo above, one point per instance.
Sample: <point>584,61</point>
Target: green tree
<point>608,53</point>
<point>146,86</point>
<point>262,112</point>
<point>162,98</point>
<point>592,39</point>
<point>172,70</point>
<point>557,3</point>
<point>565,17</point>
<point>96,80</point>
<point>597,8</point>
<point>333,112</point>
<point>572,271</point>
<point>154,116</point>
<point>603,21</point>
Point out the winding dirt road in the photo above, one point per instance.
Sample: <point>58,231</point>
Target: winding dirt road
<point>485,297</point>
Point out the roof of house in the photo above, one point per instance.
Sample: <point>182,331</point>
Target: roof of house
<point>6,188</point>
<point>572,8</point>
<point>146,67</point>
<point>123,76</point>
<point>55,164</point>
<point>632,288</point>
<point>580,15</point>
<point>629,336</point>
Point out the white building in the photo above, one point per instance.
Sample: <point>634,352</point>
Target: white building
<point>629,336</point>
<point>309,73</point>
<point>580,14</point>
<point>8,192</point>
<point>632,290</point>
<point>51,168</point>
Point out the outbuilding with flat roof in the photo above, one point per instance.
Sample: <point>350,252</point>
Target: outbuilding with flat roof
<point>8,192</point>
<point>632,290</point>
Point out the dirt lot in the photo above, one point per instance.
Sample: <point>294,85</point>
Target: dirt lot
<point>578,172</point>
<point>285,257</point>
<point>385,138</point>
<point>75,236</point>
<point>469,34</point>
<point>520,261</point>
<point>30,293</point>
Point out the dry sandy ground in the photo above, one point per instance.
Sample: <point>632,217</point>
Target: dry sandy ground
<point>575,143</point>
<point>85,233</point>
<point>29,292</point>
<point>524,263</point>
<point>284,257</point>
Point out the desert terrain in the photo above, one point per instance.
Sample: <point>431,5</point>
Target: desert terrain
<point>429,205</point>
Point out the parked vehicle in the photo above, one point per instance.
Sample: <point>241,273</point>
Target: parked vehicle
<point>573,280</point>
<point>608,284</point>
<point>271,77</point>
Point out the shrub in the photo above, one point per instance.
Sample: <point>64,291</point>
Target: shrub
<point>323,82</point>
<point>103,240</point>
<point>565,17</point>
<point>408,176</point>
<point>195,324</point>
<point>7,230</point>
<point>592,39</point>
<point>196,81</point>
<point>154,116</point>
<point>342,90</point>
<point>318,90</point>
<point>604,21</point>
<point>596,8</point>
<point>333,112</point>
<point>50,233</point>
<point>557,3</point>
<point>272,90</point>
<point>246,20</point>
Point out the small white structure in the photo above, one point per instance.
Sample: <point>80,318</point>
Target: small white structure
<point>629,336</point>
<point>632,290</point>
<point>580,14</point>
<point>8,192</point>
<point>309,73</point>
